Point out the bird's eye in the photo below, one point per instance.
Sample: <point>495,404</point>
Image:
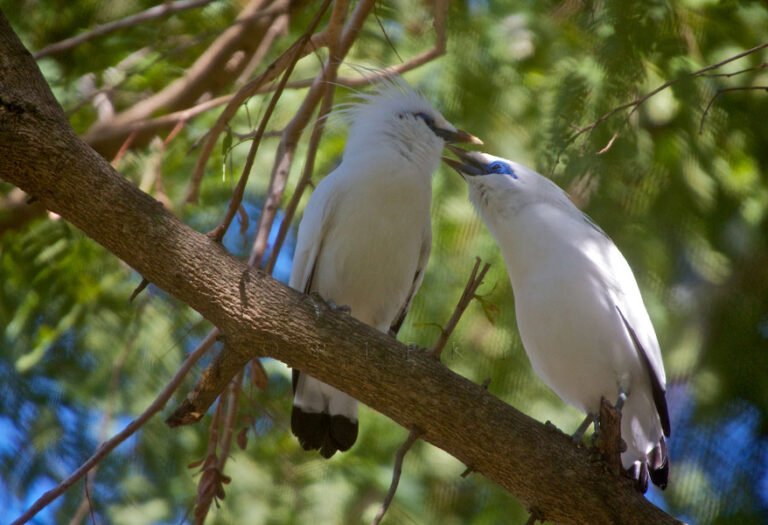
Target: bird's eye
<point>501,168</point>
<point>428,120</point>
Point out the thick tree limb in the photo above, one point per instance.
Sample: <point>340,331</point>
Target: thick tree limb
<point>258,316</point>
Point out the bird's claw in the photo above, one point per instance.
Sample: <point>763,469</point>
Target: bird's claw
<point>342,309</point>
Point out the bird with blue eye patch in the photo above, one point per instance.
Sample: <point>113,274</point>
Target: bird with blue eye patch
<point>502,168</point>
<point>579,311</point>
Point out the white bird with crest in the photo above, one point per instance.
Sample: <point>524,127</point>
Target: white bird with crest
<point>365,238</point>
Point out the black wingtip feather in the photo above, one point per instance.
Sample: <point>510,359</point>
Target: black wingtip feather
<point>322,432</point>
<point>659,465</point>
<point>657,390</point>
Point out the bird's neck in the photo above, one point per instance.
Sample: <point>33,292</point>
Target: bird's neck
<point>537,235</point>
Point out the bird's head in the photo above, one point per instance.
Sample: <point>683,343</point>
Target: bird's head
<point>398,123</point>
<point>502,187</point>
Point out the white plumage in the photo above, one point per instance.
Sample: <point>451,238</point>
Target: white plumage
<point>365,238</point>
<point>579,311</point>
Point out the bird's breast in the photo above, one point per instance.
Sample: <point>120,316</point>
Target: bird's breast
<point>371,251</point>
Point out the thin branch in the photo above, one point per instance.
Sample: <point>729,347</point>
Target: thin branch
<point>341,40</point>
<point>721,91</point>
<point>219,231</point>
<point>278,28</point>
<point>86,505</point>
<point>635,104</point>
<point>108,446</point>
<point>437,50</point>
<point>469,293</point>
<point>214,68</point>
<point>234,102</point>
<point>732,74</point>
<point>210,485</point>
<point>158,11</point>
<point>397,471</point>
<point>304,180</point>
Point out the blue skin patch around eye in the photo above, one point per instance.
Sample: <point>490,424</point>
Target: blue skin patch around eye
<point>501,168</point>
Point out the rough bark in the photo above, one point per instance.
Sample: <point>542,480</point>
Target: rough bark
<point>40,154</point>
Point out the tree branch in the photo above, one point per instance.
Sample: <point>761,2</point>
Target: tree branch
<point>635,104</point>
<point>470,289</point>
<point>212,71</point>
<point>259,316</point>
<point>158,11</point>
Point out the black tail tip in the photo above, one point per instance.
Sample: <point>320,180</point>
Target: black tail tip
<point>658,461</point>
<point>323,432</point>
<point>655,469</point>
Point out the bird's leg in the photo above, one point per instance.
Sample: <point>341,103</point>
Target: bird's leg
<point>579,434</point>
<point>621,400</point>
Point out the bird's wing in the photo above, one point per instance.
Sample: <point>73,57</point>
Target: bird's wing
<point>426,246</point>
<point>657,385</point>
<point>312,231</point>
<point>635,317</point>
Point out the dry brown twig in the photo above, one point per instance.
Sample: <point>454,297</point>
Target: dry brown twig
<point>218,233</point>
<point>299,49</point>
<point>213,478</point>
<point>329,75</point>
<point>470,292</point>
<point>213,70</point>
<point>210,488</point>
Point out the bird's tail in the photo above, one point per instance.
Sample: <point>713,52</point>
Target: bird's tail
<point>658,464</point>
<point>655,467</point>
<point>323,418</point>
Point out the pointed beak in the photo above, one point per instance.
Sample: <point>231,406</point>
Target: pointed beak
<point>470,163</point>
<point>458,136</point>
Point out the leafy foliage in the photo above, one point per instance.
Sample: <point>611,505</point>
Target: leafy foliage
<point>682,191</point>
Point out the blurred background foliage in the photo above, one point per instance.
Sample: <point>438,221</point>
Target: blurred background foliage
<point>684,197</point>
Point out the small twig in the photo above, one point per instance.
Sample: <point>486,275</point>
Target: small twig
<point>635,104</point>
<point>86,505</point>
<point>722,91</point>
<point>158,11</point>
<point>278,28</point>
<point>397,471</point>
<point>473,283</point>
<point>340,40</point>
<point>140,288</point>
<point>218,233</point>
<point>209,486</point>
<point>306,175</point>
<point>108,446</point>
<point>732,74</point>
<point>438,49</point>
<point>605,148</point>
<point>301,47</point>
